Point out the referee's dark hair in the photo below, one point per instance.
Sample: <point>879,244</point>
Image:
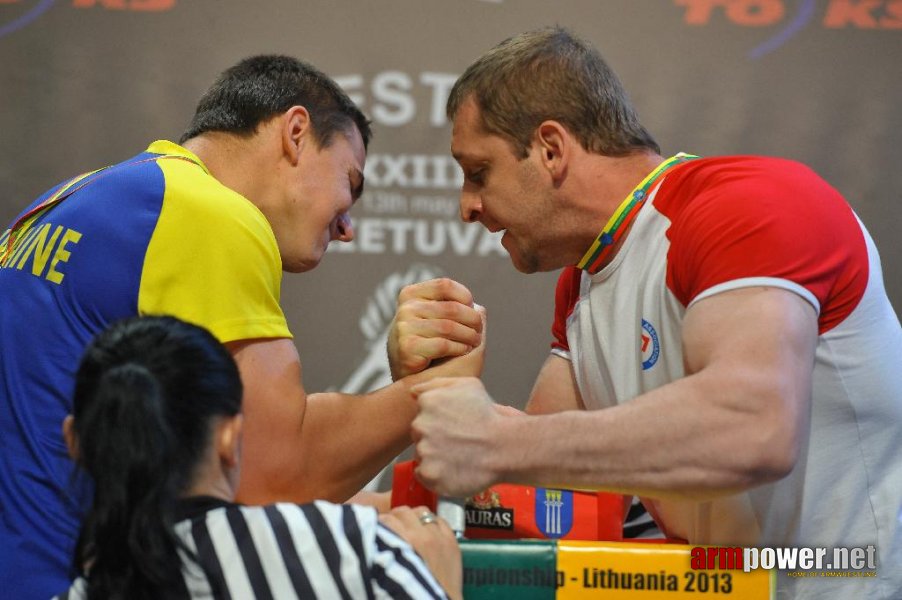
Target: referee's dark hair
<point>147,393</point>
<point>261,87</point>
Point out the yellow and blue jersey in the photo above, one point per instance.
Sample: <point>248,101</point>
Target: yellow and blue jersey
<point>156,234</point>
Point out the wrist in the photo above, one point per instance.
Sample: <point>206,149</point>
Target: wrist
<point>504,438</point>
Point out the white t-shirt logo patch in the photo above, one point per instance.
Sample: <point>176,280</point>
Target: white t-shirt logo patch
<point>650,346</point>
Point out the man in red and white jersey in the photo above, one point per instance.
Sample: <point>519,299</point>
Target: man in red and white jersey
<point>724,347</point>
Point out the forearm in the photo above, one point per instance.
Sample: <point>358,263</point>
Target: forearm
<point>677,441</point>
<point>342,443</point>
<point>346,440</point>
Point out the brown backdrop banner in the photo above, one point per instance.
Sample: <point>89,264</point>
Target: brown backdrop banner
<point>89,82</point>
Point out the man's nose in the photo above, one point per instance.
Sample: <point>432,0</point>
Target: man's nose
<point>343,230</point>
<point>470,207</point>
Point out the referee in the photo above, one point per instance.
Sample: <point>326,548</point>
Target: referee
<point>157,425</point>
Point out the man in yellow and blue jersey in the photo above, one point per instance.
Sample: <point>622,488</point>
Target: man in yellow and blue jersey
<point>261,182</point>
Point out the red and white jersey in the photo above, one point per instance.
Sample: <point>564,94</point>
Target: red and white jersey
<point>719,224</point>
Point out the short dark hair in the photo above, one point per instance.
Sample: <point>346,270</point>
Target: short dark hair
<point>147,393</point>
<point>261,87</point>
<point>545,74</point>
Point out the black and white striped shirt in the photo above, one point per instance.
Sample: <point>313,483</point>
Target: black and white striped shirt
<point>317,550</point>
<point>639,524</point>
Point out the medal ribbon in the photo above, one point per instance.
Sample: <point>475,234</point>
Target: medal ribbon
<point>619,222</point>
<point>24,222</point>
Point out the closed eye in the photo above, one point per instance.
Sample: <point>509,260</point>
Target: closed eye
<point>355,180</point>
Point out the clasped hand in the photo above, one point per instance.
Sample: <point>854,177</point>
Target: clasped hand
<point>437,325</point>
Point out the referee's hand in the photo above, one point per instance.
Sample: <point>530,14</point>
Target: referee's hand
<point>433,540</point>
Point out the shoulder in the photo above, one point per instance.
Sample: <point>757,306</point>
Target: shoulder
<point>202,217</point>
<point>190,190</point>
<point>739,169</point>
<point>326,519</point>
<point>288,528</point>
<point>759,221</point>
<point>744,184</point>
<point>751,195</point>
<point>328,511</point>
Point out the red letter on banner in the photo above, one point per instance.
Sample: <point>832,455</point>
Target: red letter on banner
<point>893,18</point>
<point>841,13</point>
<point>152,5</point>
<point>698,12</point>
<point>755,13</point>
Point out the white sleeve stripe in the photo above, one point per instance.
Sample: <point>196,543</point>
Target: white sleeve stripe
<point>409,560</point>
<point>397,563</point>
<point>561,352</point>
<point>745,282</point>
<point>388,586</point>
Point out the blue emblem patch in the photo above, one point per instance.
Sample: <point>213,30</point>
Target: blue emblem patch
<point>651,347</point>
<point>554,512</point>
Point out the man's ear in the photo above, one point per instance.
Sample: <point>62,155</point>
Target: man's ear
<point>553,141</point>
<point>228,440</point>
<point>70,437</point>
<point>296,131</point>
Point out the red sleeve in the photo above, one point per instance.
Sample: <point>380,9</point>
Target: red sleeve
<point>565,297</point>
<point>764,218</point>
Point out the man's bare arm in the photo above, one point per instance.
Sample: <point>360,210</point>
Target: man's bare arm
<point>735,421</point>
<point>298,447</point>
<point>555,388</point>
